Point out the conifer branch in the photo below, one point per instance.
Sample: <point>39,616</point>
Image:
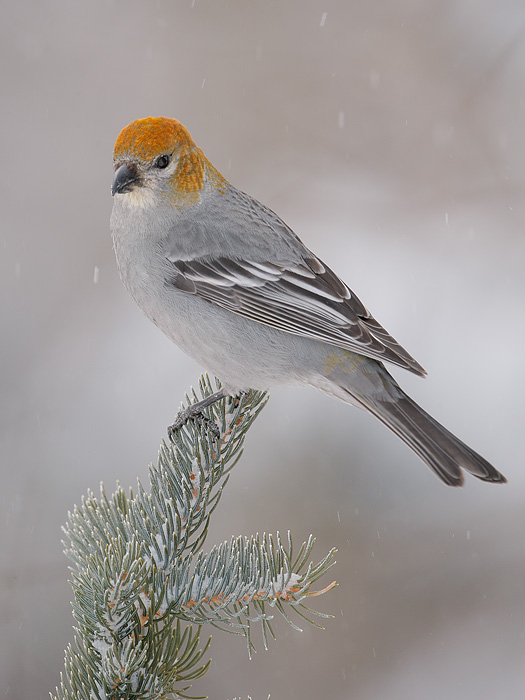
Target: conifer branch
<point>143,587</point>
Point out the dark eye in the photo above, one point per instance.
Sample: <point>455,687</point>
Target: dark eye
<point>162,162</point>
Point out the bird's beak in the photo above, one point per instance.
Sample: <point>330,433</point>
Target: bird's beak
<point>125,177</point>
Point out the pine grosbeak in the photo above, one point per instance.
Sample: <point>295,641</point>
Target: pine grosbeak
<point>234,287</point>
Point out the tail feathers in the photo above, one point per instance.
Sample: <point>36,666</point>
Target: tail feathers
<point>444,453</point>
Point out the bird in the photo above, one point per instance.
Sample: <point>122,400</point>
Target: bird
<point>235,288</point>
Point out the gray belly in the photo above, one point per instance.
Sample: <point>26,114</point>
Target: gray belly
<point>243,354</point>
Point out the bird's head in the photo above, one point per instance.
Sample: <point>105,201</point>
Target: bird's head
<point>156,159</point>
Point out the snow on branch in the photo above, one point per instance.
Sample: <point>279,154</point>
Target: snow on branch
<point>144,587</point>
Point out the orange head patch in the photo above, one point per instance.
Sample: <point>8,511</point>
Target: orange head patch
<point>145,139</point>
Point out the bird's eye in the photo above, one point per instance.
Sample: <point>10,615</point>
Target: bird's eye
<point>162,162</point>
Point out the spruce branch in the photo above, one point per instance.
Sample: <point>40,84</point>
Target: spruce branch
<point>143,586</point>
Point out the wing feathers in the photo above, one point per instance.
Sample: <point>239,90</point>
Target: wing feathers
<point>306,299</point>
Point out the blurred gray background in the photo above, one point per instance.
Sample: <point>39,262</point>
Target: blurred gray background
<point>390,136</point>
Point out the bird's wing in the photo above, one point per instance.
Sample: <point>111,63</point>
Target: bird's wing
<point>305,299</point>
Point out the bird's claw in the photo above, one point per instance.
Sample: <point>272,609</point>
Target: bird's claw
<point>194,412</point>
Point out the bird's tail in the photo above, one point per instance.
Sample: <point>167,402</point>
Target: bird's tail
<point>444,453</point>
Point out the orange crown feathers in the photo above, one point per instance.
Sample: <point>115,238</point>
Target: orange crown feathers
<point>147,138</point>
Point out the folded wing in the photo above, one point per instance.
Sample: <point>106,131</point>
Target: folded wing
<point>305,299</point>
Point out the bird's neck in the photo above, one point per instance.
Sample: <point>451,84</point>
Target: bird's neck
<point>195,174</point>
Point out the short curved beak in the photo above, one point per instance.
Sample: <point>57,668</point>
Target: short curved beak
<point>125,177</point>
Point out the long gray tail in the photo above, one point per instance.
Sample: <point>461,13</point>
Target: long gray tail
<point>444,453</point>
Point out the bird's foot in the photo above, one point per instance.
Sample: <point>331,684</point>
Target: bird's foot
<point>196,412</point>
<point>192,413</point>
